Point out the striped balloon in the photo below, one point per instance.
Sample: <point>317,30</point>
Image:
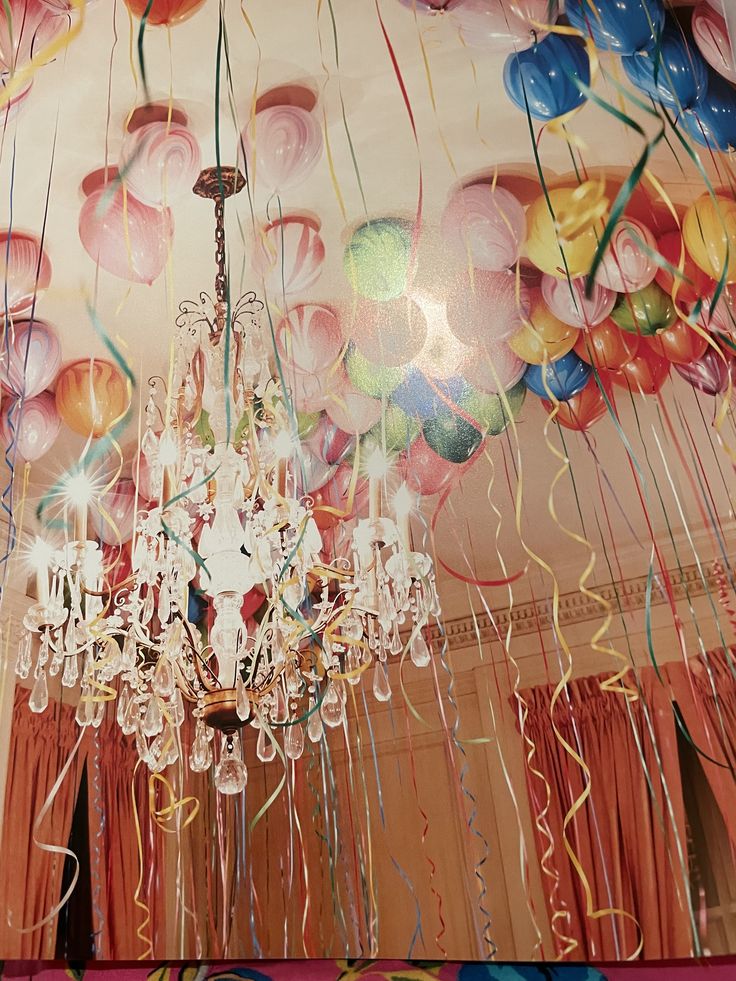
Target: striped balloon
<point>91,396</point>
<point>628,264</point>
<point>289,255</point>
<point>29,358</point>
<point>25,271</point>
<point>32,429</point>
<point>309,337</point>
<point>159,162</point>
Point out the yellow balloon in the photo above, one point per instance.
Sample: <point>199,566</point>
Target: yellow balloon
<point>709,231</point>
<point>544,337</point>
<point>547,248</point>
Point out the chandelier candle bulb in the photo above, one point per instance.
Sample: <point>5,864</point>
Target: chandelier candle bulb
<point>374,498</point>
<point>80,520</point>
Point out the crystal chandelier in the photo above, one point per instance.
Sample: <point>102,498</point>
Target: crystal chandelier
<point>231,516</point>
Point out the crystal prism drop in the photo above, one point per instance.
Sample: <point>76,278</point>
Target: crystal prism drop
<point>124,699</point>
<point>147,611</point>
<point>265,749</point>
<point>85,710</point>
<point>395,647</point>
<point>153,719</point>
<point>242,702</point>
<point>176,709</point>
<point>314,726</point>
<point>129,652</point>
<point>131,717</point>
<point>200,758</point>
<point>40,694</point>
<point>381,685</point>
<point>99,713</point>
<point>23,664</point>
<point>332,706</point>
<point>231,776</point>
<point>71,672</point>
<point>419,650</point>
<point>163,678</point>
<point>294,741</point>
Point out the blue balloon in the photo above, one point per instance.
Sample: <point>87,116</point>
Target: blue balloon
<point>682,74</point>
<point>544,76</point>
<point>196,605</point>
<point>422,400</point>
<point>622,26</point>
<point>564,377</point>
<point>712,122</point>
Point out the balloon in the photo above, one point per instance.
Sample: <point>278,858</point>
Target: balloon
<point>289,255</point>
<point>555,255</point>
<point>670,247</point>
<point>709,374</point>
<point>544,337</point>
<point>681,74</point>
<point>721,320</point>
<point>486,309</point>
<point>646,373</point>
<point>117,568</point>
<point>307,422</point>
<point>310,392</point>
<point>582,410</point>
<point>496,368</point>
<point>395,430</point>
<point>371,379</point>
<point>335,494</point>
<point>424,471</point>
<point>19,263</point>
<point>541,79</point>
<point>452,437</point>
<point>30,356</point>
<point>679,343</point>
<point>32,429</point>
<point>502,25</point>
<point>563,378</point>
<point>621,26</point>
<point>390,333</point>
<point>423,398</point>
<point>159,162</point>
<point>329,443</point>
<point>644,312</point>
<point>607,347</point>
<point>566,299</point>
<point>490,411</point>
<point>626,265</point>
<point>429,6</point>
<point>711,36</point>
<point>311,473</point>
<point>126,237</point>
<point>114,519</point>
<point>15,104</point>
<point>712,123</point>
<point>353,412</point>
<point>164,11</point>
<point>91,396</point>
<point>309,337</point>
<point>717,5</point>
<point>29,29</point>
<point>376,259</point>
<point>709,231</point>
<point>282,146</point>
<point>485,225</point>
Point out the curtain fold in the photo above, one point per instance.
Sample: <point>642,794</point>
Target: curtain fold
<point>30,882</point>
<point>629,835</point>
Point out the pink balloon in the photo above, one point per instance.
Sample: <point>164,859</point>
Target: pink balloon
<point>626,266</point>
<point>353,412</point>
<point>486,309</point>
<point>390,333</point>
<point>289,255</point>
<point>723,318</point>
<point>335,493</point>
<point>711,36</point>
<point>282,146</point>
<point>329,443</point>
<point>503,26</point>
<point>137,256</point>
<point>310,472</point>
<point>30,357</point>
<point>159,163</point>
<point>19,267</point>
<point>15,105</point>
<point>33,428</point>
<point>485,225</point>
<point>311,392</point>
<point>495,369</point>
<point>424,471</point>
<point>32,26</point>
<point>718,5</point>
<point>309,337</point>
<point>118,522</point>
<point>566,299</point>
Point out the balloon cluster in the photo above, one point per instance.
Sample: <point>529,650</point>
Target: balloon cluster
<point>38,393</point>
<point>27,27</point>
<point>125,223</point>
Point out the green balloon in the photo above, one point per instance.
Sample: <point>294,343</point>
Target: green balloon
<point>371,379</point>
<point>306,423</point>
<point>376,260</point>
<point>489,411</point>
<point>644,312</point>
<point>399,429</point>
<point>204,430</point>
<point>451,437</point>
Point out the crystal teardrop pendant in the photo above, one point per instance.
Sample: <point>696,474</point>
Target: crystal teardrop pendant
<point>153,719</point>
<point>23,664</point>
<point>231,774</point>
<point>131,717</point>
<point>265,749</point>
<point>332,707</point>
<point>71,671</point>
<point>419,650</point>
<point>294,741</point>
<point>163,678</point>
<point>39,698</point>
<point>124,699</point>
<point>314,725</point>
<point>200,758</point>
<point>242,702</point>
<point>85,709</point>
<point>381,684</point>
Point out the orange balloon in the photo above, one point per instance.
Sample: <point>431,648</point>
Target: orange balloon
<point>606,346</point>
<point>164,11</point>
<point>646,374</point>
<point>91,396</point>
<point>679,343</point>
<point>582,410</point>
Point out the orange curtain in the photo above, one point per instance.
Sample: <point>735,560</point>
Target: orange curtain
<point>629,836</point>
<point>30,879</point>
<point>704,690</point>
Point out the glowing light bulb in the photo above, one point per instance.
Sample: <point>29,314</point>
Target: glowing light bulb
<point>168,450</point>
<point>403,504</point>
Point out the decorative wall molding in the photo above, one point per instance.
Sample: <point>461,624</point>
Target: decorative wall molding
<point>628,595</point>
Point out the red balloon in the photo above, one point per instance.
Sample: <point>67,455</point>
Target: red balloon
<point>164,11</point>
<point>680,343</point>
<point>645,374</point>
<point>606,346</point>
<point>424,471</point>
<point>331,502</point>
<point>252,601</point>
<point>329,443</point>
<point>582,410</point>
<point>116,564</point>
<point>668,246</point>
